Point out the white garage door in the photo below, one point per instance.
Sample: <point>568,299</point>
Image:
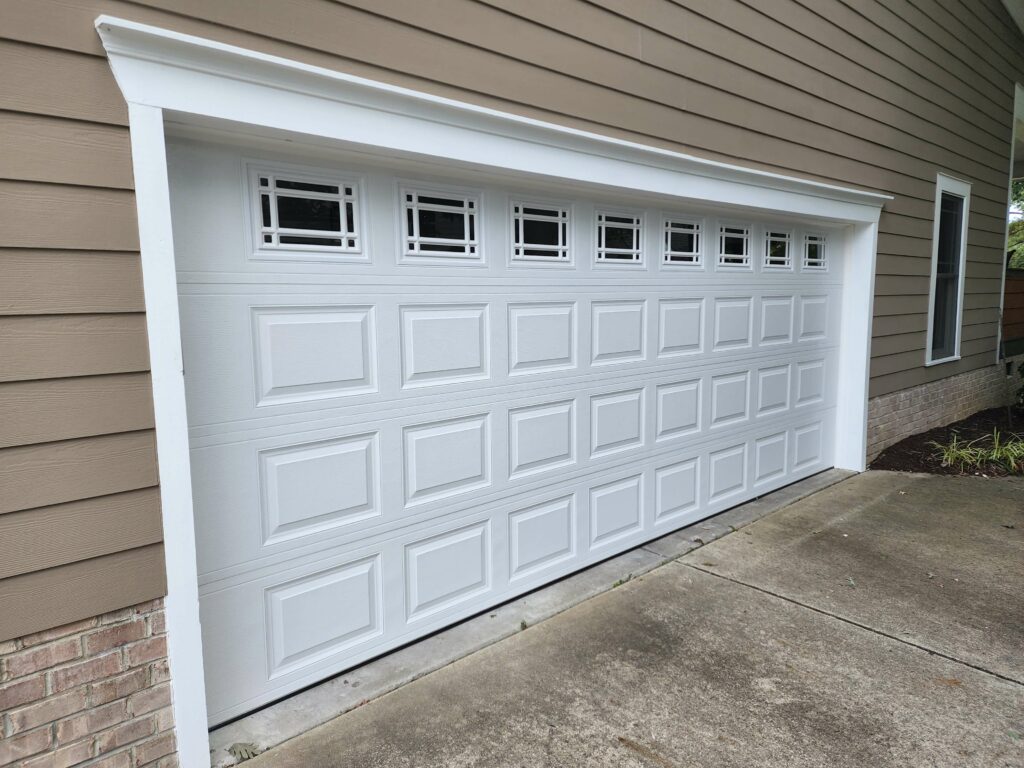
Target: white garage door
<point>412,397</point>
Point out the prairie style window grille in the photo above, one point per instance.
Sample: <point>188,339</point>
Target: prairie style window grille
<point>682,242</point>
<point>814,252</point>
<point>777,250</point>
<point>733,246</point>
<point>539,232</point>
<point>439,224</point>
<point>619,238</point>
<point>298,213</point>
<point>949,253</point>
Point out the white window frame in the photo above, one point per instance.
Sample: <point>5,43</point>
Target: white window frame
<point>821,239</point>
<point>678,259</point>
<point>775,235</point>
<point>948,184</point>
<point>412,242</point>
<point>562,254</point>
<point>163,73</point>
<point>748,239</point>
<point>637,252</point>
<point>350,192</point>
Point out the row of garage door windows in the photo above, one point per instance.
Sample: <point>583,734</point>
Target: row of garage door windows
<point>297,212</point>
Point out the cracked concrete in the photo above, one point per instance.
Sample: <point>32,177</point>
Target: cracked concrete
<point>877,622</point>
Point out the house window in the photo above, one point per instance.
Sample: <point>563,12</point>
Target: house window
<point>304,213</point>
<point>733,246</point>
<point>682,243</point>
<point>949,251</point>
<point>777,250</point>
<point>814,252</point>
<point>440,224</point>
<point>619,238</point>
<point>539,232</point>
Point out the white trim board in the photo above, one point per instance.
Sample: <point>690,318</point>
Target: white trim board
<point>163,73</point>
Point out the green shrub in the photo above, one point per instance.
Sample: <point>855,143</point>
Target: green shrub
<point>1004,452</point>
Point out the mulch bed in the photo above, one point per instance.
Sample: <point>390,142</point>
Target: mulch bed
<point>916,454</point>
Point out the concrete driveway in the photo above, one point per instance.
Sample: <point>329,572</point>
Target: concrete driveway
<point>879,622</point>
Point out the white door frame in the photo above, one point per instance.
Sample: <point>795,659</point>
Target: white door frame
<point>167,74</point>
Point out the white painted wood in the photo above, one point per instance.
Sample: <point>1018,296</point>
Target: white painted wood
<point>210,88</point>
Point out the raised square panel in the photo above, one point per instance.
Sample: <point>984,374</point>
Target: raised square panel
<point>806,446</point>
<point>542,337</point>
<point>309,354</point>
<point>776,320</point>
<point>729,396</point>
<point>770,458</point>
<point>810,382</point>
<point>676,489</point>
<point>443,344</point>
<point>728,472</point>
<point>615,510</point>
<point>447,569</point>
<point>541,437</point>
<point>618,331</point>
<point>316,616</point>
<point>680,322</point>
<point>732,323</point>
<point>772,389</point>
<point>308,489</point>
<point>678,408</point>
<point>616,422</point>
<point>813,317</point>
<point>446,458</point>
<point>541,536</point>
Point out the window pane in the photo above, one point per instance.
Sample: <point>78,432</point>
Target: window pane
<point>618,237</point>
<point>442,224</point>
<point>682,242</point>
<point>540,232</point>
<point>947,276</point>
<point>297,240</point>
<point>306,186</point>
<point>302,213</point>
<point>733,246</point>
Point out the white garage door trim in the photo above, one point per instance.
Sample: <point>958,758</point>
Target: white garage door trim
<point>166,75</point>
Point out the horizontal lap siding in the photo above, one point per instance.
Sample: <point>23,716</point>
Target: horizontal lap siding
<point>859,92</point>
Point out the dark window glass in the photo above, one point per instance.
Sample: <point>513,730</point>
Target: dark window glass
<point>350,217</point>
<point>264,181</point>
<point>540,212</point>
<point>298,240</point>
<point>442,224</point>
<point>734,245</point>
<point>777,251</point>
<point>618,237</point>
<point>947,276</point>
<point>265,206</point>
<point>540,232</point>
<point>684,242</point>
<point>305,186</point>
<point>303,213</point>
<point>440,201</point>
<point>444,248</point>
<point>813,253</point>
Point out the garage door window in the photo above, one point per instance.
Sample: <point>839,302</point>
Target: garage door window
<point>814,252</point>
<point>297,212</point>
<point>619,238</point>
<point>777,250</point>
<point>734,246</point>
<point>683,243</point>
<point>539,232</point>
<point>438,224</point>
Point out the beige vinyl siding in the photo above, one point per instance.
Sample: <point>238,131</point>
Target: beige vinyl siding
<point>879,95</point>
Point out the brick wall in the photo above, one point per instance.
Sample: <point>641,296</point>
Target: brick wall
<point>900,414</point>
<point>94,693</point>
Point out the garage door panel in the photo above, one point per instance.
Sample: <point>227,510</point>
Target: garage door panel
<point>448,463</point>
<point>398,432</point>
<point>495,347</point>
<point>511,549</point>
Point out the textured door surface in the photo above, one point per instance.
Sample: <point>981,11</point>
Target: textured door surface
<point>413,396</point>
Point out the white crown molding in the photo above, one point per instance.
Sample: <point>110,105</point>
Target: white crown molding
<point>186,74</point>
